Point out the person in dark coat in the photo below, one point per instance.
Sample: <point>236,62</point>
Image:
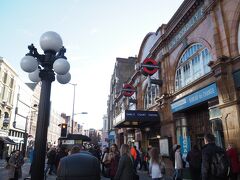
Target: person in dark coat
<point>194,158</point>
<point>234,161</point>
<point>125,170</point>
<point>79,166</point>
<point>114,159</point>
<point>51,155</point>
<point>61,152</point>
<point>208,151</point>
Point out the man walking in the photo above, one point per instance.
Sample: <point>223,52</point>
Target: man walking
<point>215,164</point>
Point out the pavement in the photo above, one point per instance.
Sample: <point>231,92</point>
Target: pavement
<point>25,169</point>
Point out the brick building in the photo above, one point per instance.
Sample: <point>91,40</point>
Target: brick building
<point>198,79</point>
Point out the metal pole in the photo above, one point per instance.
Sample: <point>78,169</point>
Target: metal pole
<point>47,76</point>
<point>74,85</point>
<point>25,139</point>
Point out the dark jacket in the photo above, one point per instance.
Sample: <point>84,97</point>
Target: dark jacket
<point>208,152</point>
<point>78,166</point>
<point>51,155</point>
<point>125,169</point>
<point>194,158</point>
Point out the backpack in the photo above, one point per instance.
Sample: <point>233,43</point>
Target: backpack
<point>220,166</point>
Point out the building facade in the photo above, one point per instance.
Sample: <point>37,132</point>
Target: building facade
<point>198,79</point>
<point>7,88</point>
<point>123,70</point>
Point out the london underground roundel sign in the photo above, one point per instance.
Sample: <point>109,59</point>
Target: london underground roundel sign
<point>150,67</point>
<point>128,90</point>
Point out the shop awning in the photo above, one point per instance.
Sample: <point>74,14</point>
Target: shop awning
<point>136,118</point>
<point>7,140</point>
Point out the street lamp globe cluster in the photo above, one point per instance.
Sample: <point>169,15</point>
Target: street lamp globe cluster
<point>44,67</point>
<point>54,59</point>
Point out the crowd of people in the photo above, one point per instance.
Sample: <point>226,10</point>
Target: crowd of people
<point>79,162</point>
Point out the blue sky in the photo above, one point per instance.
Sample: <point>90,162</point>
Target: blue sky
<point>94,33</point>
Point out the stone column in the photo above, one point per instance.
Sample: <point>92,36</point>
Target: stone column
<point>228,103</point>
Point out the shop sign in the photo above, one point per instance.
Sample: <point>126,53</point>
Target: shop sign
<point>197,97</point>
<point>67,141</point>
<point>185,145</point>
<point>141,115</point>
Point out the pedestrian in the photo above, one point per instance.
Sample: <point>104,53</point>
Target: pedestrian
<point>32,154</point>
<point>61,152</point>
<point>194,158</point>
<point>156,165</point>
<point>178,163</point>
<point>51,156</point>
<point>125,170</point>
<point>137,160</point>
<point>75,149</point>
<point>141,158</point>
<point>114,157</point>
<point>105,160</point>
<point>215,164</point>
<point>15,166</point>
<point>234,162</point>
<point>79,165</point>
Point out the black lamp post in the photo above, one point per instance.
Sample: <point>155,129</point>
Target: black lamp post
<point>42,67</point>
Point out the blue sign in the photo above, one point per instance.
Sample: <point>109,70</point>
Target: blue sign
<point>197,97</point>
<point>185,145</point>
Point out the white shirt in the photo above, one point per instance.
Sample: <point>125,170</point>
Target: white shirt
<point>155,170</point>
<point>178,160</point>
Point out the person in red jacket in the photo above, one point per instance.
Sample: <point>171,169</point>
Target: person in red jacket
<point>235,165</point>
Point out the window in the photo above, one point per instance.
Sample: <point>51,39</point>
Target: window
<point>192,65</point>
<point>11,83</point>
<point>5,77</point>
<point>150,94</point>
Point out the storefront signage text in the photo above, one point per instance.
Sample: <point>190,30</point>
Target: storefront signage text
<point>195,98</point>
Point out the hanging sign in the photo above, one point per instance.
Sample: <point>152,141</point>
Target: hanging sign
<point>150,67</point>
<point>128,90</point>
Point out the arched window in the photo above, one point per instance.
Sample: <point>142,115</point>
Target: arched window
<point>192,65</point>
<point>150,94</point>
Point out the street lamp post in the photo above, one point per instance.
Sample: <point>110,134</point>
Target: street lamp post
<point>42,67</point>
<point>74,89</point>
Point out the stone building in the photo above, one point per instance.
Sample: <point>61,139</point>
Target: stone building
<point>199,77</point>
<point>124,68</point>
<point>7,87</point>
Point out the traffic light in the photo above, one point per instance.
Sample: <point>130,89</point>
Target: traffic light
<point>64,130</point>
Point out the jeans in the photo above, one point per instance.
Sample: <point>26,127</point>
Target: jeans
<point>177,174</point>
<point>51,167</point>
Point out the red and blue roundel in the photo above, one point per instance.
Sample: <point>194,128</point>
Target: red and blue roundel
<point>147,69</point>
<point>128,90</point>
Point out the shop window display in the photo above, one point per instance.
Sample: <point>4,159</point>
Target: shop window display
<point>192,65</point>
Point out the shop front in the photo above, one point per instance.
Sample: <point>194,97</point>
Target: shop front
<point>196,114</point>
<point>142,127</point>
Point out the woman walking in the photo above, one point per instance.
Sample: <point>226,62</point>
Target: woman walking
<point>15,162</point>
<point>156,165</point>
<point>125,169</point>
<point>114,159</point>
<point>178,165</point>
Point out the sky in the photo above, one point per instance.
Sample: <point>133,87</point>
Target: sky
<point>94,32</point>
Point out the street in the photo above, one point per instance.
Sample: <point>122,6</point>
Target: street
<point>26,166</point>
